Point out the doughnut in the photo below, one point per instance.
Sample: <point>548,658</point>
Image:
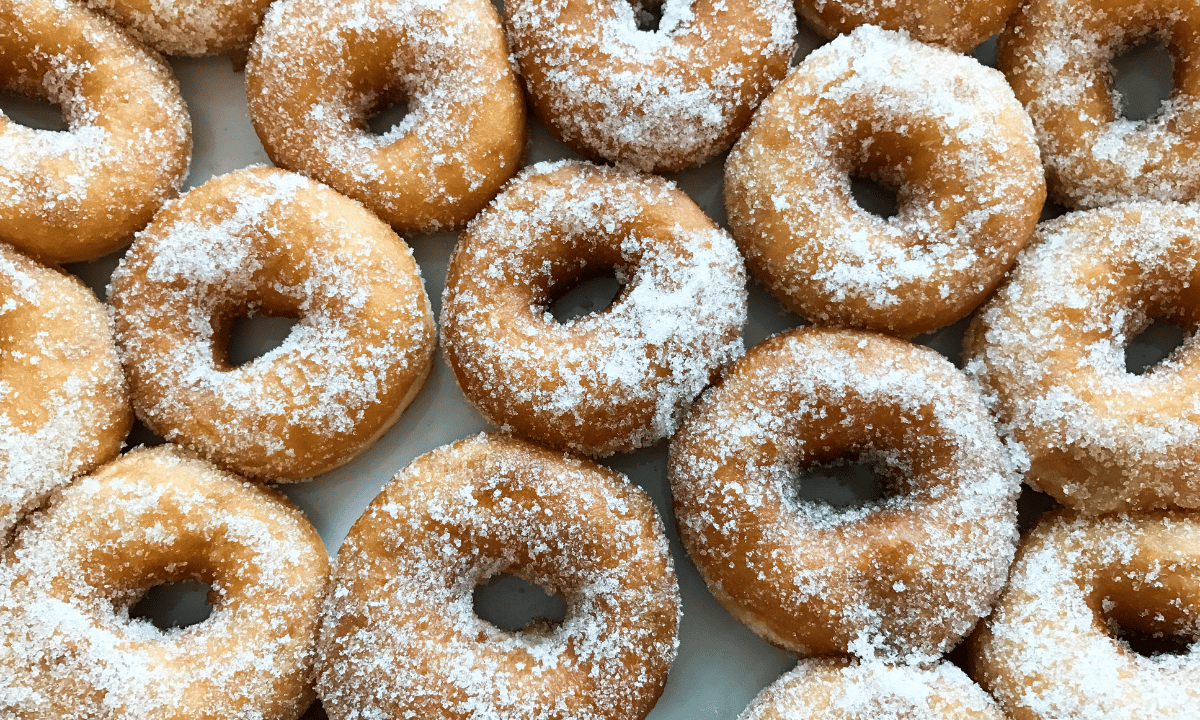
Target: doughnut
<point>191,27</point>
<point>1052,648</point>
<point>318,70</point>
<point>840,689</point>
<point>399,637</point>
<point>1057,57</point>
<point>1050,348</point>
<point>69,649</point>
<point>959,25</point>
<point>901,578</point>
<point>657,100</point>
<point>267,241</point>
<point>615,380</point>
<point>64,406</point>
<point>955,145</point>
<point>79,194</point>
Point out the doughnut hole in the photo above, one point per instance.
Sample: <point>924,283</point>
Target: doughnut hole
<point>1143,74</point>
<point>514,604</point>
<point>170,605</point>
<point>647,14</point>
<point>254,335</point>
<point>844,482</point>
<point>32,112</point>
<point>589,294</point>
<point>389,117</point>
<point>874,197</point>
<point>1157,343</point>
<point>252,327</point>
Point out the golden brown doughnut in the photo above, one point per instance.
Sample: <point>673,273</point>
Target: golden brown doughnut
<point>840,689</point>
<point>900,578</point>
<point>64,407</point>
<point>1051,348</point>
<point>68,647</point>
<point>1050,650</point>
<point>188,27</point>
<point>267,241</point>
<point>319,69</point>
<point>1057,53</point>
<point>615,380</point>
<point>80,194</point>
<point>959,25</point>
<point>399,637</point>
<point>955,144</point>
<point>653,101</point>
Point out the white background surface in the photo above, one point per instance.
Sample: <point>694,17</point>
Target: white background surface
<point>721,665</point>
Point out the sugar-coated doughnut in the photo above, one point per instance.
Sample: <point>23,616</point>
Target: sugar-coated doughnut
<point>320,68</point>
<point>1057,56</point>
<point>1051,348</point>
<point>267,241</point>
<point>652,100</point>
<point>615,380</point>
<point>956,24</point>
<point>1052,648</point>
<point>69,649</point>
<point>840,689</point>
<point>956,146</point>
<point>400,639</point>
<point>82,193</point>
<point>903,577</point>
<point>64,406</point>
<point>188,27</point>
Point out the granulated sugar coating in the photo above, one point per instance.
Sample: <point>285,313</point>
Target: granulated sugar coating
<point>265,240</point>
<point>1057,56</point>
<point>320,68</point>
<point>957,24</point>
<point>838,689</point>
<point>80,194</point>
<point>1050,349</point>
<point>955,144</point>
<point>69,649</point>
<point>188,27</point>
<point>902,578</point>
<point>400,638</point>
<point>655,100</point>
<point>615,380</point>
<point>64,407</point>
<point>1050,649</point>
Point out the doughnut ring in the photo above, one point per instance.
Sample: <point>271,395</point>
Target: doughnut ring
<point>1056,55</point>
<point>955,144</point>
<point>901,578</point>
<point>1050,348</point>
<point>80,194</point>
<point>179,27</point>
<point>263,240</point>
<point>64,406</point>
<point>611,381</point>
<point>959,25</point>
<point>68,648</point>
<point>318,70</point>
<point>841,689</point>
<point>399,636</point>
<point>1050,649</point>
<point>653,101</point>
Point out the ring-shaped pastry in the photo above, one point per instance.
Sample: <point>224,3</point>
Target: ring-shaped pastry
<point>188,27</point>
<point>614,380</point>
<point>267,241</point>
<point>319,70</point>
<point>955,144</point>
<point>1057,56</point>
<point>658,100</point>
<point>840,689</point>
<point>1050,347</point>
<point>959,25</point>
<point>70,651</point>
<point>1051,649</point>
<point>80,194</point>
<point>64,406</point>
<point>400,638</point>
<point>901,578</point>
